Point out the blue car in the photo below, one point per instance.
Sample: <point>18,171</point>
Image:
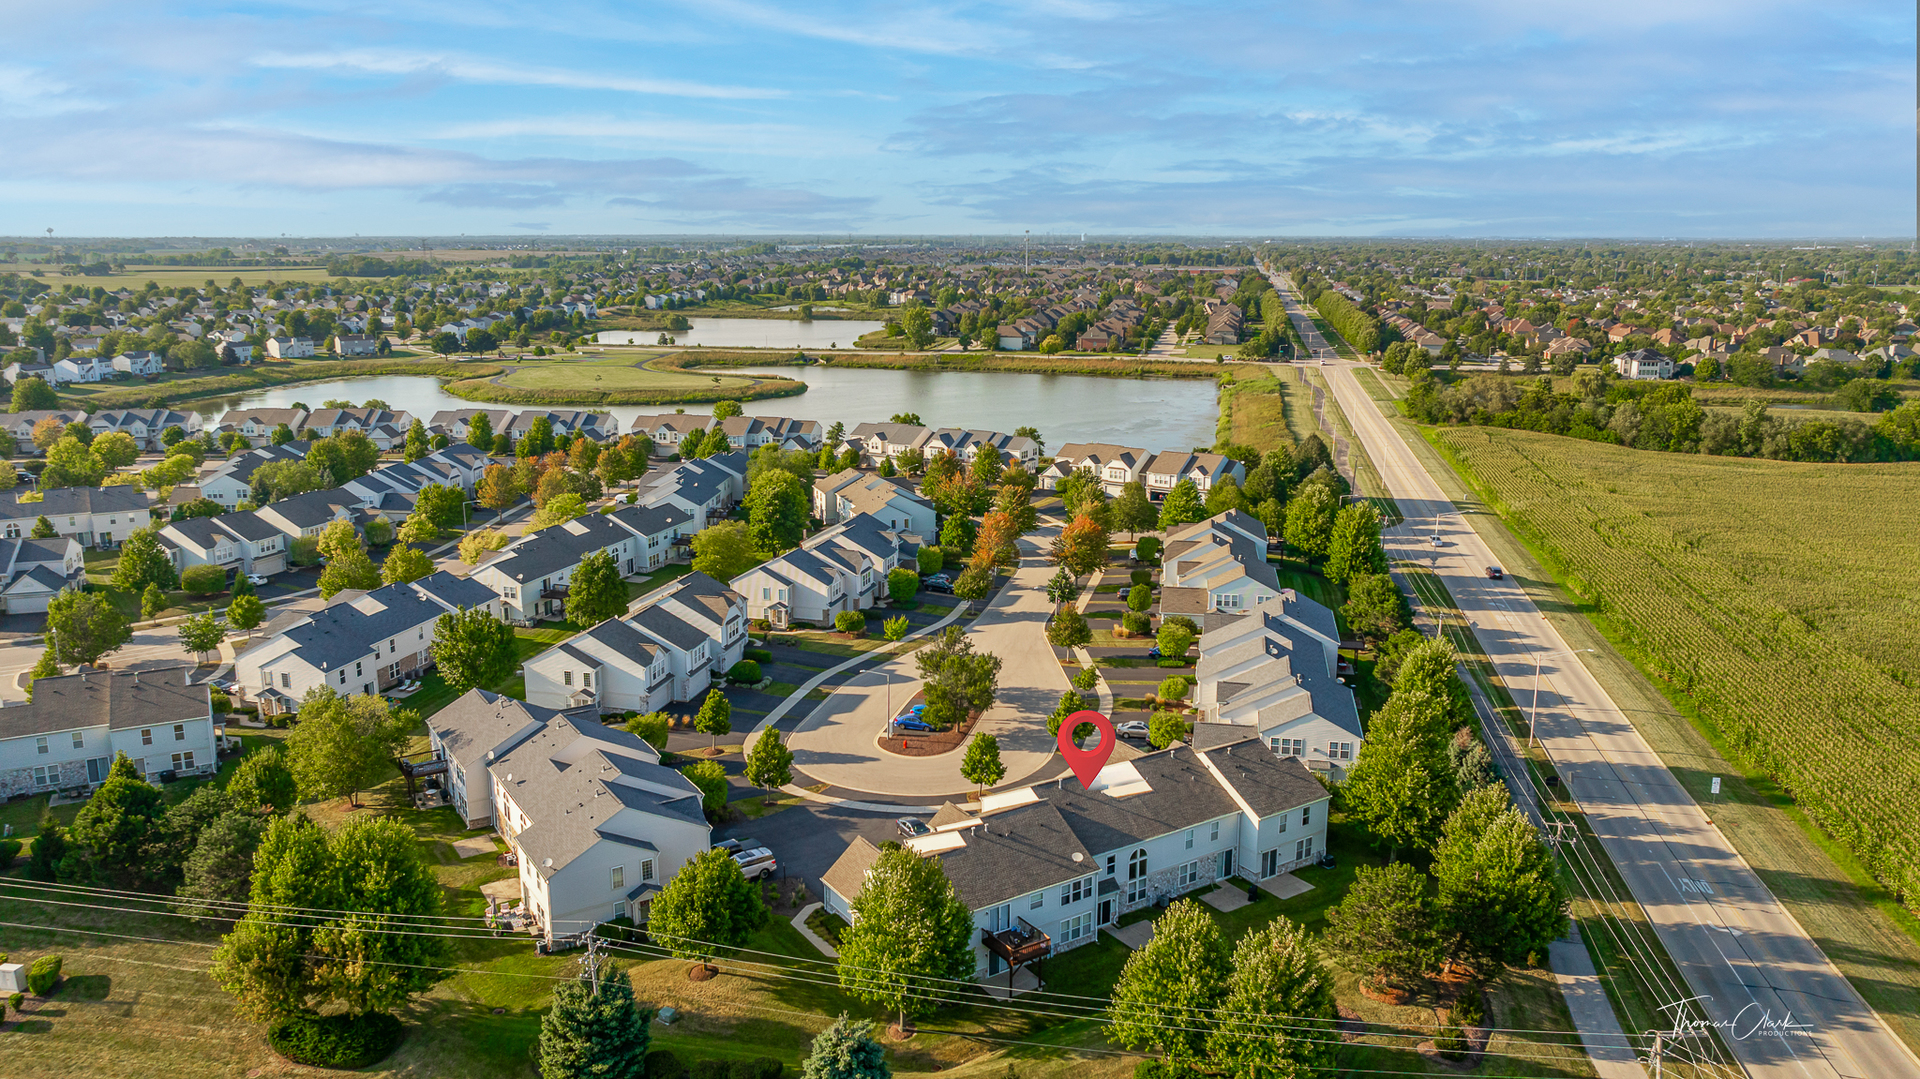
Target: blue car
<point>912,723</point>
<point>917,710</point>
<point>1154,652</point>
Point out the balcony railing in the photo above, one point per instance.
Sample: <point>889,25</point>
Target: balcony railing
<point>1020,944</point>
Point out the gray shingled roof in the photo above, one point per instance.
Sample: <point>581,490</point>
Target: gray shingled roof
<point>115,699</point>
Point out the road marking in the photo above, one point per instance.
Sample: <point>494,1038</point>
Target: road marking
<point>1695,887</point>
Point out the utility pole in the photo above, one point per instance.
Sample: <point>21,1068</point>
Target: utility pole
<point>590,963</point>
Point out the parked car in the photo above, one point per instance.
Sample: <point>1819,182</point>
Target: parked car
<point>910,827</point>
<point>256,578</point>
<point>1494,574</point>
<point>912,723</point>
<point>939,582</point>
<point>757,863</point>
<point>734,846</point>
<point>1132,730</point>
<point>1154,652</point>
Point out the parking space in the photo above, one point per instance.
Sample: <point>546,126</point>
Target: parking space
<point>808,839</point>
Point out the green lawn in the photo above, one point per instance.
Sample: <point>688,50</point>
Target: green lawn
<point>603,376</point>
<point>99,569</point>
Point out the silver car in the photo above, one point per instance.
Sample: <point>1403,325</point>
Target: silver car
<point>756,863</point>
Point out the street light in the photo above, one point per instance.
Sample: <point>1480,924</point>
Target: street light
<point>1533,712</point>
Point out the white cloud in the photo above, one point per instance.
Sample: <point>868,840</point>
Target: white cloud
<point>468,69</point>
<point>660,133</point>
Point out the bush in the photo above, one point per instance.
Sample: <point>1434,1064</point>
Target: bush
<point>1452,1042</point>
<point>336,1041</point>
<point>1470,1010</point>
<point>757,1068</point>
<point>1139,598</point>
<point>1088,678</point>
<point>1174,688</point>
<point>221,702</point>
<point>1141,576</point>
<point>43,975</point>
<point>1148,548</point>
<point>850,622</point>
<point>663,1064</point>
<point>200,580</point>
<point>1182,620</point>
<point>14,1000</point>
<point>758,655</point>
<point>1136,624</point>
<point>744,672</point>
<point>1170,664</point>
<point>712,1069</point>
<point>9,850</point>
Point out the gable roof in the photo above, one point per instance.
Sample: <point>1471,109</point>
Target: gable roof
<point>113,699</point>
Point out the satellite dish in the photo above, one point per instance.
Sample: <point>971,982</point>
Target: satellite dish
<point>546,863</point>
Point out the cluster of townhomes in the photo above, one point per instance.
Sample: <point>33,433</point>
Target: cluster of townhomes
<point>1044,868</point>
<point>1270,661</point>
<point>743,432</point>
<point>1159,473</point>
<point>840,568</point>
<point>88,368</point>
<point>671,645</point>
<point>887,441</point>
<point>67,736</point>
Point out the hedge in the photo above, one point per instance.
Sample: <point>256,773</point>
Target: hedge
<point>43,975</point>
<point>758,655</point>
<point>745,672</point>
<point>1136,623</point>
<point>201,580</point>
<point>1361,330</point>
<point>336,1041</point>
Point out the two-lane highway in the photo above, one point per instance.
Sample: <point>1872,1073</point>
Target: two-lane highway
<point>1781,1005</point>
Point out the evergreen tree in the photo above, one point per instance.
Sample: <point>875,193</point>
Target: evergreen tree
<point>110,835</point>
<point>595,1030</point>
<point>596,591</point>
<point>42,528</point>
<point>1384,927</point>
<point>844,1051</point>
<point>49,850</point>
<point>1181,506</point>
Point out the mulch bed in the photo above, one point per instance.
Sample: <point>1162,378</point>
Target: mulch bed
<point>931,745</point>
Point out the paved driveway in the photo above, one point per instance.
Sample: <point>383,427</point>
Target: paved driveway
<point>839,742</point>
<point>808,839</point>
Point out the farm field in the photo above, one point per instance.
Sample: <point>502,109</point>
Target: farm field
<point>1773,597</point>
<point>176,276</point>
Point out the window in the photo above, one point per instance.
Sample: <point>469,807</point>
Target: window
<point>146,736</point>
<point>1075,891</point>
<point>1215,837</point>
<point>1340,751</point>
<point>619,910</point>
<point>1137,876</point>
<point>619,877</point>
<point>1303,849</point>
<point>40,744</point>
<point>586,679</point>
<point>286,680</point>
<point>646,870</point>
<point>79,740</point>
<point>1037,900</point>
<point>343,676</point>
<point>566,678</point>
<point>1110,865</point>
<point>1189,839</point>
<point>183,762</point>
<point>1076,927</point>
<point>1306,816</point>
<point>179,732</point>
<point>1288,747</point>
<point>44,776</point>
<point>356,669</point>
<point>392,647</point>
<point>1187,874</point>
<point>1228,601</point>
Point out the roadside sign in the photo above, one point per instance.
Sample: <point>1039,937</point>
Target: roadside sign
<point>1716,784</point>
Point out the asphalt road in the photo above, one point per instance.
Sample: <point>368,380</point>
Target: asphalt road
<point>1743,956</point>
<point>806,840</point>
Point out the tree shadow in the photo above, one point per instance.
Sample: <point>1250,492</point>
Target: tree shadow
<point>87,987</point>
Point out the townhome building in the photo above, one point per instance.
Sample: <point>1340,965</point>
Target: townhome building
<point>889,500</point>
<point>531,574</point>
<point>230,482</point>
<point>842,568</point>
<point>1276,672</point>
<point>1163,471</point>
<point>458,466</point>
<point>33,571</point>
<point>139,364</point>
<point>67,737</point>
<point>599,426</point>
<point>1215,569</point>
<point>310,513</point>
<point>1116,466</point>
<point>752,432</point>
<point>706,488</point>
<point>883,441</point>
<point>352,345</point>
<point>457,423</point>
<point>1643,363</point>
<point>360,642</point>
<point>92,516</point>
<point>21,424</point>
<point>1045,868</point>
<point>596,823</point>
<point>667,431</point>
<point>237,542</point>
<point>967,445</point>
<point>81,369</point>
<point>290,348</point>
<point>669,647</point>
<point>327,422</point>
<point>257,424</point>
<point>144,425</point>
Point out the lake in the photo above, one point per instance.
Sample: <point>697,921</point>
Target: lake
<point>752,333</point>
<point>1155,414</point>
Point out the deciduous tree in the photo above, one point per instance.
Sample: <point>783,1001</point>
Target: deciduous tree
<point>982,765</point>
<point>1181,506</point>
<point>707,907</point>
<point>344,743</point>
<point>724,551</point>
<point>1169,987</point>
<point>1082,546</point>
<point>911,934</point>
<point>1133,511</point>
<point>1499,898</point>
<point>715,717</point>
<point>769,762</point>
<point>1354,547</point>
<point>596,591</point>
<point>1310,519</point>
<point>1401,784</point>
<point>1069,628</point>
<point>472,648</point>
<point>84,626</point>
<point>776,511</point>
<point>1277,1019</point>
<point>201,634</point>
<point>143,562</point>
<point>109,836</point>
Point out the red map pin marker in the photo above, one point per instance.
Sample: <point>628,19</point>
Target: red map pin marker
<point>1086,763</point>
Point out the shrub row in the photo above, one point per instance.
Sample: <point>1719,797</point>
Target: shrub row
<point>335,1041</point>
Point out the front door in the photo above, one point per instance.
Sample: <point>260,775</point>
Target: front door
<point>1106,912</point>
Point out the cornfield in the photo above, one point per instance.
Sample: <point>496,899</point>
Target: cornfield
<point>1780,598</point>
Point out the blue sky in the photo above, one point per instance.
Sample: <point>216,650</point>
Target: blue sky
<point>1638,118</point>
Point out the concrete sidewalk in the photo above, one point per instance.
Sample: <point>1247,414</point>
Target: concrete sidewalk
<point>1613,1056</point>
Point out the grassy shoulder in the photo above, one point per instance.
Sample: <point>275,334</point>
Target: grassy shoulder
<point>1873,940</point>
<point>181,386</point>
